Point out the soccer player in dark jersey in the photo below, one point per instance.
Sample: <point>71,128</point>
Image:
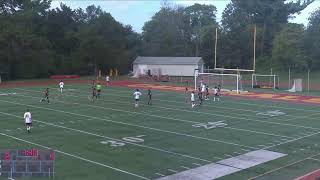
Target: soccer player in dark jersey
<point>94,94</point>
<point>187,95</point>
<point>150,97</point>
<point>46,96</point>
<point>200,95</point>
<point>207,93</point>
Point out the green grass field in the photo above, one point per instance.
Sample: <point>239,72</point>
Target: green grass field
<point>110,139</point>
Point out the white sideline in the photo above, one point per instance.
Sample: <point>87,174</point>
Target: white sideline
<point>75,156</point>
<point>176,119</point>
<point>226,166</point>
<point>105,119</point>
<point>127,142</point>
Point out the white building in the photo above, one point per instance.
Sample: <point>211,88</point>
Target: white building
<point>172,66</point>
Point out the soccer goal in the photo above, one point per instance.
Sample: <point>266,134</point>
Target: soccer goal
<point>227,82</point>
<point>265,81</point>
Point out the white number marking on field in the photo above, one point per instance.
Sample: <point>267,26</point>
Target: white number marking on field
<point>112,143</point>
<point>210,125</point>
<point>271,113</point>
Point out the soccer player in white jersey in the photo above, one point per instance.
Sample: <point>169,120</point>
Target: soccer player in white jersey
<point>136,95</point>
<point>107,80</point>
<point>216,94</point>
<point>61,84</point>
<point>28,120</point>
<point>192,98</point>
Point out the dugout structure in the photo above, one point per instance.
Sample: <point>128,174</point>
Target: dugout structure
<point>265,81</point>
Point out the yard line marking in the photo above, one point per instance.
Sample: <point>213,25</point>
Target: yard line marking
<point>8,130</point>
<point>228,155</point>
<point>236,153</point>
<point>184,167</point>
<point>314,159</point>
<point>19,129</point>
<point>292,140</point>
<point>196,164</point>
<point>287,165</point>
<point>119,122</point>
<point>102,136</point>
<point>171,170</point>
<point>75,156</point>
<point>160,174</point>
<point>176,119</point>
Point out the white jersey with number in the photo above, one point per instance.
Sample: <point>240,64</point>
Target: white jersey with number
<point>192,97</point>
<point>27,117</point>
<point>61,84</point>
<point>137,95</point>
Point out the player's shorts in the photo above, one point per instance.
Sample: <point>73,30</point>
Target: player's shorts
<point>217,94</point>
<point>136,100</point>
<point>28,124</point>
<point>99,91</point>
<point>61,87</point>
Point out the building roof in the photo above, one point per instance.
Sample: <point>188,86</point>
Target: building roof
<point>168,60</point>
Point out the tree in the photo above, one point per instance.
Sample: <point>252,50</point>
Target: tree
<point>269,16</point>
<point>288,50</point>
<point>312,39</point>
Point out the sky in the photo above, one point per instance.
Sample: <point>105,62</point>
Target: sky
<point>137,12</point>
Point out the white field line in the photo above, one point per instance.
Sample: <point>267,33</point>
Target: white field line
<point>287,165</point>
<point>171,170</point>
<point>159,174</point>
<point>176,119</point>
<point>314,159</point>
<point>234,102</point>
<point>145,127</point>
<point>119,140</point>
<point>76,157</point>
<point>212,105</point>
<point>292,140</point>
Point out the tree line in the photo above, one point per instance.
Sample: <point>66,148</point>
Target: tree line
<point>37,41</point>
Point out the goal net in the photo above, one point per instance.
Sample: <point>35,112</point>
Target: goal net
<point>265,81</point>
<point>297,86</point>
<point>227,82</point>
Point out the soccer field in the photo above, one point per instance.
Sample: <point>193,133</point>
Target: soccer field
<point>110,139</point>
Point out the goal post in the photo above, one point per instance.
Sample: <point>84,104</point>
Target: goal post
<point>228,82</point>
<point>267,81</point>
